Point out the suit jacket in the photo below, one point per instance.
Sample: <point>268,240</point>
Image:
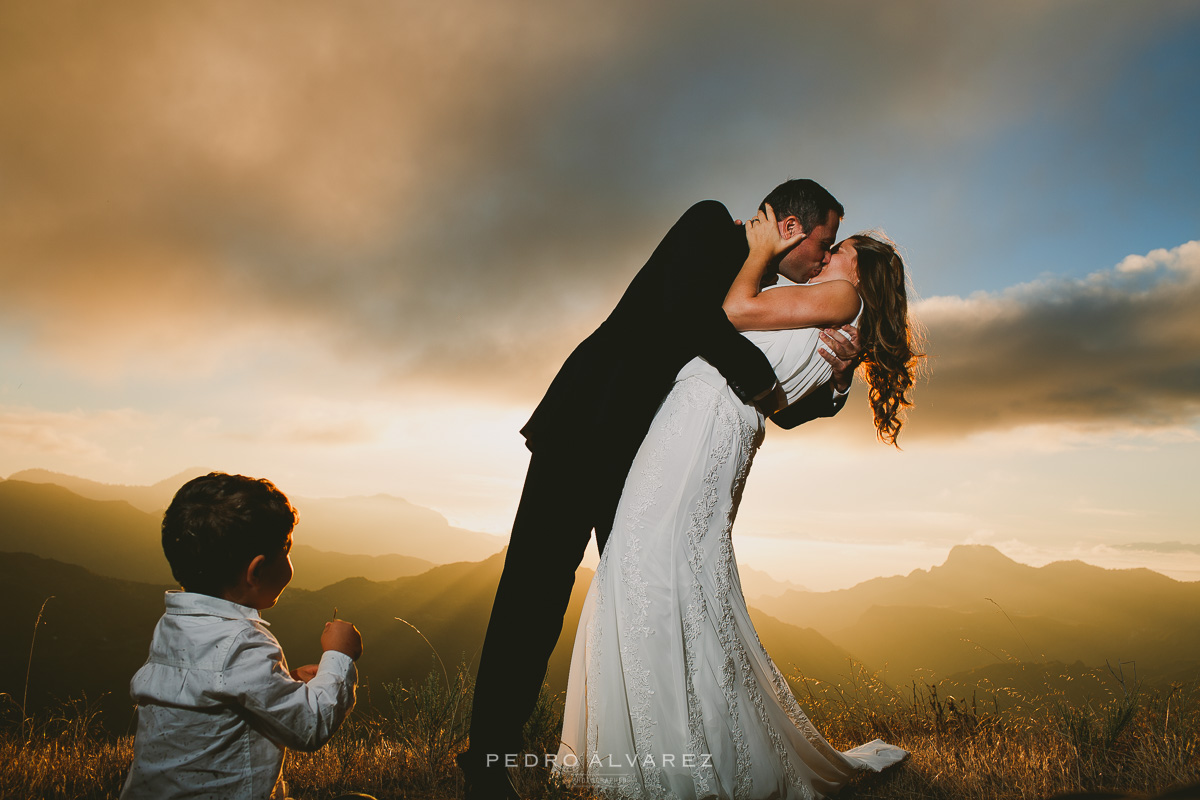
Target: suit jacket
<point>604,397</point>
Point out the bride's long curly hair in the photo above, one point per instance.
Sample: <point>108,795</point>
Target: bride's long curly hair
<point>889,340</point>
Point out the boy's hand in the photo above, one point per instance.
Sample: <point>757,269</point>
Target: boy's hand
<point>342,636</point>
<point>305,673</point>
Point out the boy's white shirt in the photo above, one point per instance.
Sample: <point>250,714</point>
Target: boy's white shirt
<point>216,706</point>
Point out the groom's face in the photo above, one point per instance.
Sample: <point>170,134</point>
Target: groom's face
<point>806,259</point>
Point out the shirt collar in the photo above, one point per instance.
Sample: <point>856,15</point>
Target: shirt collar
<point>195,604</point>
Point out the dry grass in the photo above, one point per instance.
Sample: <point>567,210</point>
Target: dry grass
<point>402,746</point>
<point>85,769</point>
<point>1132,741</point>
<point>407,749</point>
<point>62,755</point>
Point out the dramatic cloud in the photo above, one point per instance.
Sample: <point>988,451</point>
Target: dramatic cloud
<point>1121,346</point>
<point>453,193</point>
<point>179,177</point>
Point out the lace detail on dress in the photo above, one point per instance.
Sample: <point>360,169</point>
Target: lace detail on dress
<point>732,642</point>
<point>736,663</point>
<point>788,702</point>
<point>639,495</point>
<point>693,623</point>
<point>700,522</point>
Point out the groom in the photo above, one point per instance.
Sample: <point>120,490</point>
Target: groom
<point>587,429</point>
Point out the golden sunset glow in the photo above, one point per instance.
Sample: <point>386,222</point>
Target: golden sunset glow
<point>347,246</point>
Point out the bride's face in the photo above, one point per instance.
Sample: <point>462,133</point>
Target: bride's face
<point>842,266</point>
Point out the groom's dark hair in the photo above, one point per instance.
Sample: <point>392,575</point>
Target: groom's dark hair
<point>807,201</point>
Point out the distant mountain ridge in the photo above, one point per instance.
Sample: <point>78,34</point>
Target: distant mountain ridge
<point>318,568</point>
<point>756,583</point>
<point>981,578</point>
<point>153,498</point>
<point>981,607</point>
<point>379,525</point>
<point>111,537</point>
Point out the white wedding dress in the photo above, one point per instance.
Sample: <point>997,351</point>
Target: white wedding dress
<point>671,694</point>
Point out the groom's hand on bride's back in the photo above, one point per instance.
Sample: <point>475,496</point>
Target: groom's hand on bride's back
<point>840,347</point>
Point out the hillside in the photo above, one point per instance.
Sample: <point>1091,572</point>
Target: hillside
<point>981,608</point>
<point>319,568</point>
<point>981,578</point>
<point>970,621</point>
<point>111,537</point>
<point>756,584</point>
<point>151,499</point>
<point>376,525</point>
<point>96,629</point>
<point>93,636</point>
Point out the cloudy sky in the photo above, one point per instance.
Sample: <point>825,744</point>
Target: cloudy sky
<point>345,246</point>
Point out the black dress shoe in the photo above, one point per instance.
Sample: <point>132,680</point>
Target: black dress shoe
<point>486,782</point>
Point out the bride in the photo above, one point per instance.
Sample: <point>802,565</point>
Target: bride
<point>670,693</point>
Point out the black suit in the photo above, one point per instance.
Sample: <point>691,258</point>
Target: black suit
<point>584,435</point>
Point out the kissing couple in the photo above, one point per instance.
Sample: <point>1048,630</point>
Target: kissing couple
<point>646,436</point>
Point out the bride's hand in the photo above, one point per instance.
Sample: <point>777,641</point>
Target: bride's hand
<point>762,234</point>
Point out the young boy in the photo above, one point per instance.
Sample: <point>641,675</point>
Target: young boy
<point>216,703</point>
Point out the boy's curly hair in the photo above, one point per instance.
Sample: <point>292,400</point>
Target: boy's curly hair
<point>218,523</point>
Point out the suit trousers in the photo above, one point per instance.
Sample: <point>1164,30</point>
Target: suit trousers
<point>566,495</point>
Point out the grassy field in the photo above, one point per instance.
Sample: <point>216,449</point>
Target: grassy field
<point>1006,743</point>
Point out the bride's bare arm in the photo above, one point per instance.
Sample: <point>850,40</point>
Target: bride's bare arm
<point>749,308</point>
<point>821,305</point>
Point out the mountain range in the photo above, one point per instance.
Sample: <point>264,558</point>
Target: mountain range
<point>981,607</point>
<point>978,619</point>
<point>376,525</point>
<point>114,530</point>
